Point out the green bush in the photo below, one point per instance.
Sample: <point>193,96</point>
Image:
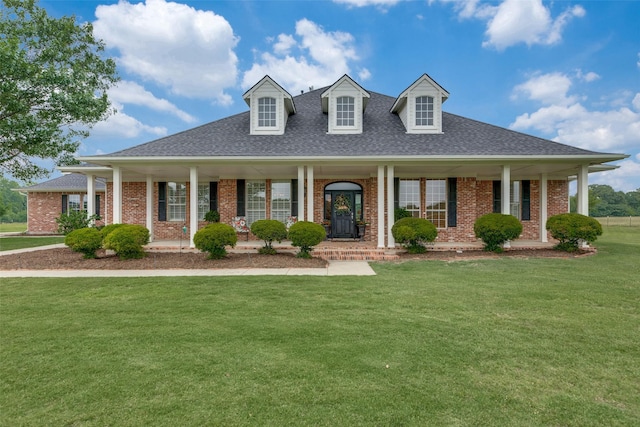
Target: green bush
<point>214,237</point>
<point>400,213</point>
<point>84,240</point>
<point>413,233</point>
<point>107,229</point>
<point>572,228</point>
<point>495,229</point>
<point>67,222</point>
<point>127,241</point>
<point>212,216</point>
<point>269,230</point>
<point>306,235</point>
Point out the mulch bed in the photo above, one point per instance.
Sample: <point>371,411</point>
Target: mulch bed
<point>66,259</point>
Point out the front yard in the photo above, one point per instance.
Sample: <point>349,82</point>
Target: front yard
<point>484,342</point>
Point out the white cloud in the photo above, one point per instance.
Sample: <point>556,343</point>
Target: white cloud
<point>364,3</point>
<point>588,77</point>
<point>323,57</point>
<point>517,21</point>
<point>570,122</point>
<point>620,178</point>
<point>128,92</point>
<point>187,50</point>
<point>121,125</point>
<point>636,102</point>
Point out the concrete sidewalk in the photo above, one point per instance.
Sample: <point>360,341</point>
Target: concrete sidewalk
<point>334,268</point>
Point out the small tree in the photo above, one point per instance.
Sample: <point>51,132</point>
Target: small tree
<point>84,240</point>
<point>213,238</point>
<point>269,230</point>
<point>572,228</point>
<point>67,222</point>
<point>495,229</point>
<point>127,241</point>
<point>400,213</point>
<point>413,233</point>
<point>306,235</point>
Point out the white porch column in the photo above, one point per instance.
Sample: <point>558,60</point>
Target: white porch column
<point>91,195</point>
<point>310,193</point>
<point>543,208</point>
<point>583,190</point>
<point>301,193</point>
<point>381,206</point>
<point>193,204</point>
<point>149,216</point>
<point>505,197</point>
<point>117,195</point>
<point>391,242</point>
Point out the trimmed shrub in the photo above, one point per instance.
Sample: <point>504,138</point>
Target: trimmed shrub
<point>400,213</point>
<point>127,241</point>
<point>107,229</point>
<point>67,222</point>
<point>414,233</point>
<point>212,216</point>
<point>269,230</point>
<point>572,228</point>
<point>84,240</point>
<point>214,237</point>
<point>306,235</point>
<point>495,229</point>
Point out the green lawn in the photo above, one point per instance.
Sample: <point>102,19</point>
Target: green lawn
<point>509,342</point>
<point>21,242</point>
<point>13,227</point>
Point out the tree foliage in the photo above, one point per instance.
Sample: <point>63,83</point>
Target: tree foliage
<point>13,205</point>
<point>53,87</point>
<point>605,201</point>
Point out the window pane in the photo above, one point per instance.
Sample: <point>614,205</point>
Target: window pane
<point>515,199</point>
<point>267,112</point>
<point>436,202</point>
<point>280,200</point>
<point>176,201</point>
<point>345,111</point>
<point>256,201</point>
<point>424,111</point>
<point>203,200</point>
<point>409,197</point>
<point>73,203</point>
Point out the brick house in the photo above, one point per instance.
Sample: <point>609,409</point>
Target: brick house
<point>342,154</point>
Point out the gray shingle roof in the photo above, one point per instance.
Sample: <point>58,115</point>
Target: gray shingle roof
<point>71,182</point>
<point>383,135</point>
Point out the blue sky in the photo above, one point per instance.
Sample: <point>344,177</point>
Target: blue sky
<point>566,71</point>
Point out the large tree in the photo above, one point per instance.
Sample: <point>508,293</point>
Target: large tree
<point>53,83</point>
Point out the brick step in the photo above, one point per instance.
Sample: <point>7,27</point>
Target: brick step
<point>357,254</point>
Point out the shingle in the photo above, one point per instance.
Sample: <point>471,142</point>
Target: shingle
<point>383,135</point>
<point>70,182</point>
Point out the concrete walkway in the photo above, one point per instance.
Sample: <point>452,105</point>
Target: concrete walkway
<point>334,268</point>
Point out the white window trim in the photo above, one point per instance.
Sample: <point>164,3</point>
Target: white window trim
<point>180,204</point>
<point>444,199</point>
<point>273,109</point>
<point>281,214</point>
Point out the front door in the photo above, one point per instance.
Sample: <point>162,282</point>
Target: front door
<point>343,223</point>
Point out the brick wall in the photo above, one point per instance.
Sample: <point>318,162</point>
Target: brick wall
<point>475,198</point>
<point>44,208</point>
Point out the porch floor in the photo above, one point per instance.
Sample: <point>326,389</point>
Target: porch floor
<point>345,250</point>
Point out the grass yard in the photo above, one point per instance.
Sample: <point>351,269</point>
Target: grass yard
<point>21,242</point>
<point>493,342</point>
<point>13,227</point>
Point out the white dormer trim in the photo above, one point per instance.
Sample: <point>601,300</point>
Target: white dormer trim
<point>344,90</point>
<point>268,89</point>
<point>425,89</point>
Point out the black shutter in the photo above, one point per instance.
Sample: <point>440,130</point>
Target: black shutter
<point>213,196</point>
<point>162,201</point>
<point>98,204</point>
<point>396,193</point>
<point>452,202</point>
<point>241,191</point>
<point>497,191</point>
<point>294,197</point>
<point>65,200</point>
<point>526,200</point>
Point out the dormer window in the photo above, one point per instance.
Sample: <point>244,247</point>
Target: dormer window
<point>345,111</point>
<point>424,111</point>
<point>267,112</point>
<point>420,106</point>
